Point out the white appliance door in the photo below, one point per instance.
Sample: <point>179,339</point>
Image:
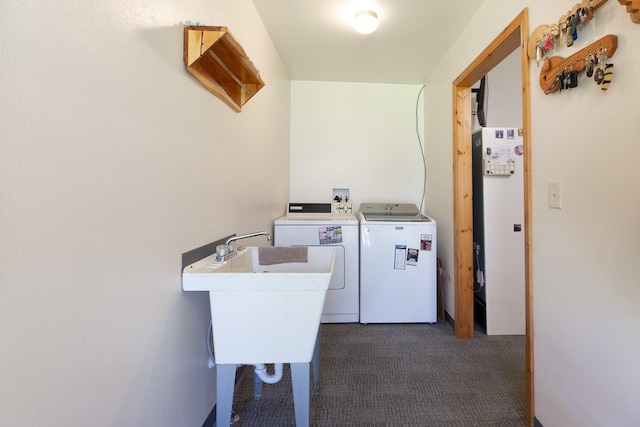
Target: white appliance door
<point>308,235</point>
<point>398,265</point>
<point>342,301</point>
<point>504,237</point>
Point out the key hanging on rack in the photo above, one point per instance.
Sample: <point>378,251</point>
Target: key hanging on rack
<point>590,63</point>
<point>608,74</point>
<point>571,34</point>
<point>601,56</point>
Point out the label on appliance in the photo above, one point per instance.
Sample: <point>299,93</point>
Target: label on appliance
<point>400,257</point>
<point>425,242</point>
<point>330,235</point>
<point>412,256</point>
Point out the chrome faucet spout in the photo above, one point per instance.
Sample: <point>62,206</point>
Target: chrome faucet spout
<point>246,236</point>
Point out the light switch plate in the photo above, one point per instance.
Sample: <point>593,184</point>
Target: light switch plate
<point>554,195</point>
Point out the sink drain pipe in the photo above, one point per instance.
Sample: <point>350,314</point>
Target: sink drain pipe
<point>261,371</point>
<point>260,368</point>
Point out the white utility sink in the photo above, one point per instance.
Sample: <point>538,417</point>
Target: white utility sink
<point>263,313</point>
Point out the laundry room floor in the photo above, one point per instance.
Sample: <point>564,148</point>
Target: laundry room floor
<point>401,374</point>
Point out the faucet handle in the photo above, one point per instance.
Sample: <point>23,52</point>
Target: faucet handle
<point>222,250</point>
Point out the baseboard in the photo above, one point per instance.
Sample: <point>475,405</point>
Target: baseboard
<point>211,418</point>
<point>450,320</point>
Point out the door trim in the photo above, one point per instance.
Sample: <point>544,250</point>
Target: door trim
<point>514,36</point>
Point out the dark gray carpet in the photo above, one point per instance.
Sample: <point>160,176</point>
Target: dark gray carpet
<point>401,375</point>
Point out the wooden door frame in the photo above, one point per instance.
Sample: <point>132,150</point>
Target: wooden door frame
<point>514,36</point>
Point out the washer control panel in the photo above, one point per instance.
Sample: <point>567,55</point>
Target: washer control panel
<point>344,208</point>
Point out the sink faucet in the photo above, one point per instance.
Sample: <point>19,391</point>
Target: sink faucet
<point>228,250</point>
<point>246,236</point>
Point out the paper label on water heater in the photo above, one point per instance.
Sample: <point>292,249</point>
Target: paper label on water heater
<point>330,235</point>
<point>401,257</point>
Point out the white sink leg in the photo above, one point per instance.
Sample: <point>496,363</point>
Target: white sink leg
<point>301,395</point>
<point>225,382</point>
<point>257,385</point>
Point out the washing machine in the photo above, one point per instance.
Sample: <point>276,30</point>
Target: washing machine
<point>398,264</point>
<point>328,224</point>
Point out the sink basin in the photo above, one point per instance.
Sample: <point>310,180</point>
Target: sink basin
<point>263,313</point>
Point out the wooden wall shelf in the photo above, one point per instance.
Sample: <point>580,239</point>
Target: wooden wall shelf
<point>216,59</point>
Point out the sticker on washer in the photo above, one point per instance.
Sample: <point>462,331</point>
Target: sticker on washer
<point>412,256</point>
<point>401,257</point>
<point>425,242</point>
<point>330,235</point>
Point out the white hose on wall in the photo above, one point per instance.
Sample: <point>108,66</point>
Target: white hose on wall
<point>261,371</point>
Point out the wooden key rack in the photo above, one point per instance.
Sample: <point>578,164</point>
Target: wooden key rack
<point>633,7</point>
<point>541,31</point>
<point>577,62</point>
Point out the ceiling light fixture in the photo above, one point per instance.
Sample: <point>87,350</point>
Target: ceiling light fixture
<point>365,21</point>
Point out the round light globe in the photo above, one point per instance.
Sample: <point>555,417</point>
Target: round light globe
<point>365,21</point>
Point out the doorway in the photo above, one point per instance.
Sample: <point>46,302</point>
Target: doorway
<point>514,36</point>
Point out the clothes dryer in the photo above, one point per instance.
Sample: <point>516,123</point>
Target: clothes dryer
<point>331,224</point>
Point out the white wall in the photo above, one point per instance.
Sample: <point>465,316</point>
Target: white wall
<point>504,92</point>
<point>360,136</point>
<point>114,161</point>
<point>585,269</point>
